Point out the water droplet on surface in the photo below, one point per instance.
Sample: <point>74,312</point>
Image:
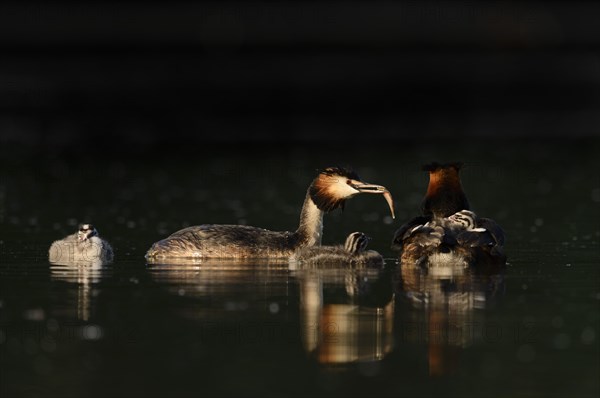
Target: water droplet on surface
<point>34,314</point>
<point>91,332</point>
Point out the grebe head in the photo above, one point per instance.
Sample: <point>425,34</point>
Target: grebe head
<point>356,242</point>
<point>86,231</point>
<point>464,219</point>
<point>334,185</point>
<point>444,195</point>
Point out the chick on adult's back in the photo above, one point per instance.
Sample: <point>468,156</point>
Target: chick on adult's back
<point>328,191</point>
<point>448,231</point>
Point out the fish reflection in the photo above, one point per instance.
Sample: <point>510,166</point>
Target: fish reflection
<point>346,315</point>
<point>446,306</point>
<point>85,275</point>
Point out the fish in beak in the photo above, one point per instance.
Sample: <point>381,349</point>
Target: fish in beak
<point>364,187</point>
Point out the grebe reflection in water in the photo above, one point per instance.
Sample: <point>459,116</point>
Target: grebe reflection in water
<point>328,191</point>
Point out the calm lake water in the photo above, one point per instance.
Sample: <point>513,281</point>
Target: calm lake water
<point>214,329</point>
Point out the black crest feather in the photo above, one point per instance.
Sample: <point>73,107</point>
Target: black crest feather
<point>433,166</point>
<point>344,171</point>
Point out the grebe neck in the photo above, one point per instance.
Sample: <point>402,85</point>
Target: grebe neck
<point>443,180</point>
<point>310,230</point>
<point>445,195</point>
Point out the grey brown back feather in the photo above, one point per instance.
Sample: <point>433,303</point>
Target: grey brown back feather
<point>229,241</point>
<point>404,231</point>
<point>462,231</point>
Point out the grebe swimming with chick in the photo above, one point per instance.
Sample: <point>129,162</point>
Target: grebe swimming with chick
<point>83,246</point>
<point>328,191</point>
<point>353,252</point>
<point>448,231</point>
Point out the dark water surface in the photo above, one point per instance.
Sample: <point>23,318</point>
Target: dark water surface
<point>213,329</point>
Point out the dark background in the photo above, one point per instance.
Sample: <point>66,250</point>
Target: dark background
<point>128,77</point>
<point>144,118</point>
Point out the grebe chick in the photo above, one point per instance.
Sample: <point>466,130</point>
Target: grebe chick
<point>81,247</point>
<point>352,252</point>
<point>328,191</point>
<point>447,225</point>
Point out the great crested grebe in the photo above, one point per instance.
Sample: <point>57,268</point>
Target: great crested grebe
<point>83,246</point>
<point>448,230</point>
<point>328,191</point>
<point>352,252</point>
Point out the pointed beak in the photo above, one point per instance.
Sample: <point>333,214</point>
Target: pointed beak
<point>364,187</point>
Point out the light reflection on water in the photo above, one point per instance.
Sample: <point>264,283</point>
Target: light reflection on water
<point>346,315</point>
<point>263,328</point>
<point>448,304</point>
<point>83,275</point>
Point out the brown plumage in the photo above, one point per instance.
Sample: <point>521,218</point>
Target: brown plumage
<point>328,191</point>
<point>448,230</point>
<point>444,195</point>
